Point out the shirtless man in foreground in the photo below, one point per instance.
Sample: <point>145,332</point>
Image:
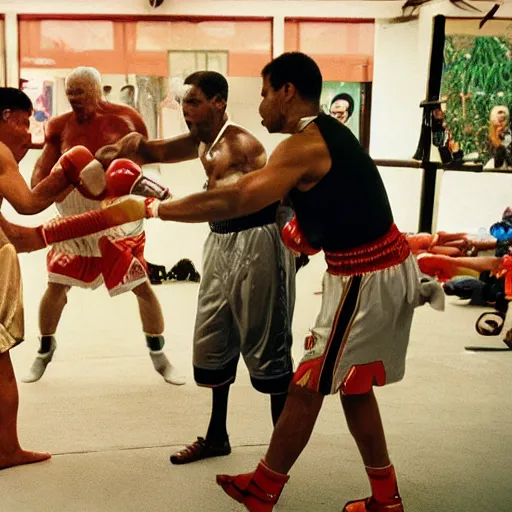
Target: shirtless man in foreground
<point>245,265</point>
<point>94,123</point>
<point>15,112</point>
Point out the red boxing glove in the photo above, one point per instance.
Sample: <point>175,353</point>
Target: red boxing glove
<point>506,270</point>
<point>295,239</point>
<point>77,226</point>
<point>83,172</point>
<point>125,177</point>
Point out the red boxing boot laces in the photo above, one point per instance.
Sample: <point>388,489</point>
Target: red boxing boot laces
<point>258,491</point>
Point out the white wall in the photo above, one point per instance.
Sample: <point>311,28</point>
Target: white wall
<point>396,116</point>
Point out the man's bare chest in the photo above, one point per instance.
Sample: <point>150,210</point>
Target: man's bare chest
<point>94,135</point>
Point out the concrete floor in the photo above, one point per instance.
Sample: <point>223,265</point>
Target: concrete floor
<point>111,422</point>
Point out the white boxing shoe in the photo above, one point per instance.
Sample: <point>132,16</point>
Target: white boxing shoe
<point>40,363</point>
<point>165,368</point>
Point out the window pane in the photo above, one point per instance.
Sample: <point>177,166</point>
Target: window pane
<point>143,64</point>
<point>344,51</point>
<point>77,36</point>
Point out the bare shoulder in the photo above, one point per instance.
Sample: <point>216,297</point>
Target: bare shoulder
<point>242,141</point>
<point>303,153</point>
<point>57,124</point>
<point>243,137</point>
<point>118,110</point>
<point>123,116</point>
<point>7,161</point>
<point>306,145</point>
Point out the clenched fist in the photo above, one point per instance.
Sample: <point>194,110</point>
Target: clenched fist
<point>131,146</point>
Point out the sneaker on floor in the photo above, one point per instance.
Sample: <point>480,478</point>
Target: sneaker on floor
<point>39,365</point>
<point>200,450</point>
<point>165,368</point>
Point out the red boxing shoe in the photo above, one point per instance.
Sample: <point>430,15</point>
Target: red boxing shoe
<point>370,505</point>
<point>258,491</point>
<point>385,496</point>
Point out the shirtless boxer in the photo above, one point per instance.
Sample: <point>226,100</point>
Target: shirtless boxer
<point>247,290</point>
<point>371,287</point>
<point>94,123</point>
<point>15,111</point>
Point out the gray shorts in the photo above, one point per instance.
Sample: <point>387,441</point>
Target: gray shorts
<point>245,306</point>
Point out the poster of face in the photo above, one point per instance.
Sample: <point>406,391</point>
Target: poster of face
<point>41,94</point>
<point>343,101</point>
<point>477,89</point>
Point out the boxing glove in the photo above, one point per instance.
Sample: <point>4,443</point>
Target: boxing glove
<point>76,226</point>
<point>506,270</point>
<point>124,177</point>
<point>83,172</point>
<point>295,239</point>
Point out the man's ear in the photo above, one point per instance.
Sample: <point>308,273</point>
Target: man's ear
<point>289,91</point>
<point>220,102</point>
<point>6,114</point>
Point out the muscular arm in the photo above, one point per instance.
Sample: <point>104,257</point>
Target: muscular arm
<point>169,151</point>
<point>20,236</point>
<point>15,190</point>
<point>287,166</point>
<point>142,151</point>
<point>51,153</point>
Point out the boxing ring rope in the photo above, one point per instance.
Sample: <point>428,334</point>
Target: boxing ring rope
<point>429,182</point>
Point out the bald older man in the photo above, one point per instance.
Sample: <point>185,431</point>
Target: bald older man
<point>94,123</point>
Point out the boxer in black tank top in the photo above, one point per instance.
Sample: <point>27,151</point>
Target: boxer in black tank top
<point>371,286</point>
<point>334,205</point>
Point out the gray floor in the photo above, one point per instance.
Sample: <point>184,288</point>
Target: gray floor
<point>111,422</point>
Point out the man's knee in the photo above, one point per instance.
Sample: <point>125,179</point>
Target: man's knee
<point>308,397</point>
<point>57,292</point>
<point>272,386</point>
<point>144,291</point>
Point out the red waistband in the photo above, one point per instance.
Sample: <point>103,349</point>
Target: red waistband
<point>385,252</point>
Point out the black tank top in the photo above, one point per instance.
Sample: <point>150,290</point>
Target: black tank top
<point>349,206</point>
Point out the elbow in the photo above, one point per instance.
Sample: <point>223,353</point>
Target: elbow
<point>19,246</point>
<point>29,208</point>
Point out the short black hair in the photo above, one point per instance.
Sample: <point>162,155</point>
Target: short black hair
<point>14,99</point>
<point>348,99</point>
<point>210,82</point>
<point>298,69</point>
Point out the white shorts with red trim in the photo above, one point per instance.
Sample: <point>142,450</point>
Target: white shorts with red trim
<point>121,266</point>
<point>114,256</point>
<point>361,334</point>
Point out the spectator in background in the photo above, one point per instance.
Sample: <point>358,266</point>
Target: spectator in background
<point>342,107</point>
<point>128,95</point>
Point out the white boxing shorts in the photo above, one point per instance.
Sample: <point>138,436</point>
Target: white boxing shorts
<point>361,335</point>
<point>114,257</point>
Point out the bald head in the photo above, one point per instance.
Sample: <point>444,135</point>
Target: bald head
<point>84,91</point>
<point>85,76</point>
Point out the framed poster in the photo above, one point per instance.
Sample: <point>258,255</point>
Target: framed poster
<point>41,93</point>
